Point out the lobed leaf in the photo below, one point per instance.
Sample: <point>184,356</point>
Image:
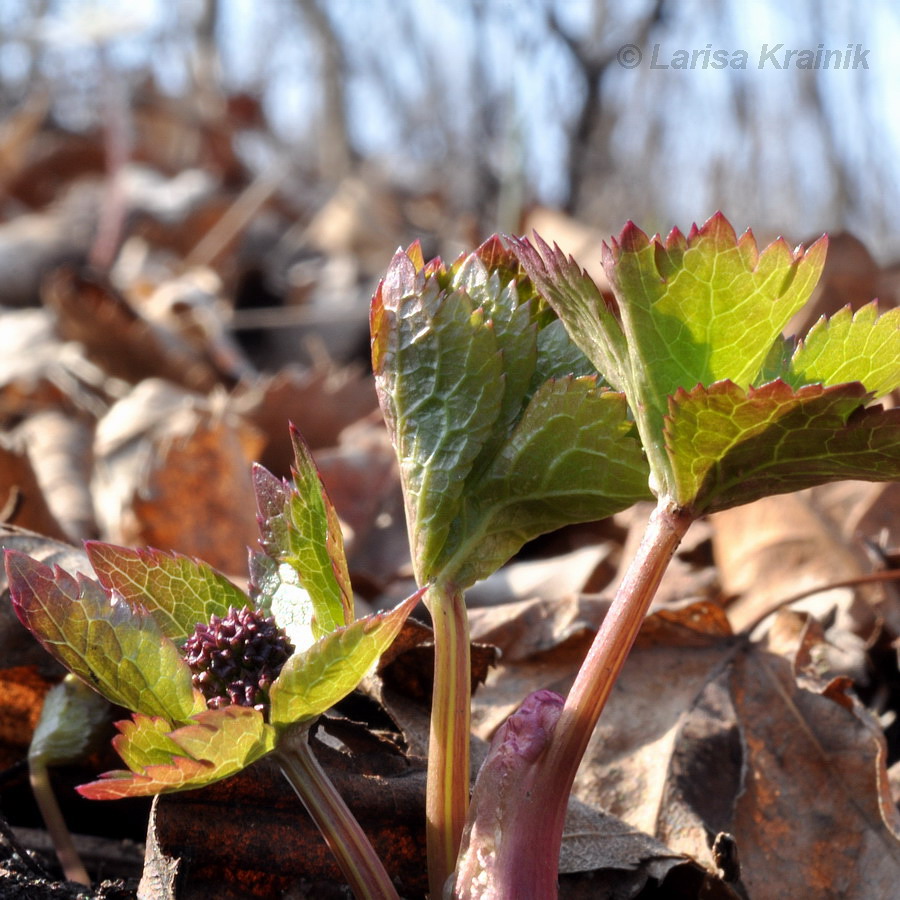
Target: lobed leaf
<point>705,307</point>
<point>119,651</point>
<point>860,346</point>
<point>218,743</point>
<point>179,592</point>
<point>730,445</point>
<point>315,679</point>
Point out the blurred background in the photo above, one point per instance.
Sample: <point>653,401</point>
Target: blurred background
<point>284,149</point>
<point>494,106</point>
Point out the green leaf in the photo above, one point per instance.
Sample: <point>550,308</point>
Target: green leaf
<point>300,528</point>
<point>730,445</point>
<point>590,319</point>
<point>218,743</point>
<point>120,652</point>
<point>462,357</point>
<point>861,346</point>
<point>572,457</point>
<point>438,373</point>
<point>179,592</point>
<point>687,311</point>
<point>72,719</point>
<point>277,590</point>
<point>314,680</point>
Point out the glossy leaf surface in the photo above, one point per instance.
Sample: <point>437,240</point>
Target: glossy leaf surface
<point>464,360</point>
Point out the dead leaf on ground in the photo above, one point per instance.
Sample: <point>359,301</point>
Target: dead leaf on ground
<point>173,472</point>
<point>706,732</point>
<point>780,546</point>
<point>116,337</point>
<point>21,499</point>
<point>321,401</point>
<point>60,448</point>
<point>39,372</point>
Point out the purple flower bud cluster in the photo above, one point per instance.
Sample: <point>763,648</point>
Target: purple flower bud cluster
<point>235,659</point>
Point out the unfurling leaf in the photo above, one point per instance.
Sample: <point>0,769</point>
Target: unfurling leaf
<point>306,585</point>
<point>472,368</point>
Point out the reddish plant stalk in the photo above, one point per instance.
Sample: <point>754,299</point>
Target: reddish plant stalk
<point>531,836</point>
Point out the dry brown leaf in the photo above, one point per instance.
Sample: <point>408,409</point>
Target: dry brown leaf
<point>116,337</point>
<point>707,733</point>
<point>38,372</point>
<point>554,579</point>
<point>21,499</point>
<point>191,307</point>
<point>780,546</point>
<point>173,472</point>
<point>61,453</point>
<point>32,245</point>
<point>321,401</point>
<point>17,133</point>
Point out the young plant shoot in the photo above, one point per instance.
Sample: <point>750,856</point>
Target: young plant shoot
<point>503,431</point>
<point>728,411</point>
<point>218,679</point>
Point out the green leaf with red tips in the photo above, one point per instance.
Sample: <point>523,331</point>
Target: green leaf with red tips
<point>860,346</point>
<point>308,587</point>
<point>216,744</point>
<point>464,357</point>
<point>315,679</point>
<point>119,651</point>
<point>176,590</point>
<point>731,445</point>
<point>707,309</point>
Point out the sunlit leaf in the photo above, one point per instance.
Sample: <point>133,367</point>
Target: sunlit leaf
<point>300,529</point>
<point>314,680</point>
<point>439,379</point>
<point>470,364</point>
<point>572,457</point>
<point>119,651</point>
<point>217,744</point>
<point>178,591</point>
<point>861,346</point>
<point>730,445</point>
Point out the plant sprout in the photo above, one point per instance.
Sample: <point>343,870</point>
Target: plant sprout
<point>728,411</point>
<point>217,678</point>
